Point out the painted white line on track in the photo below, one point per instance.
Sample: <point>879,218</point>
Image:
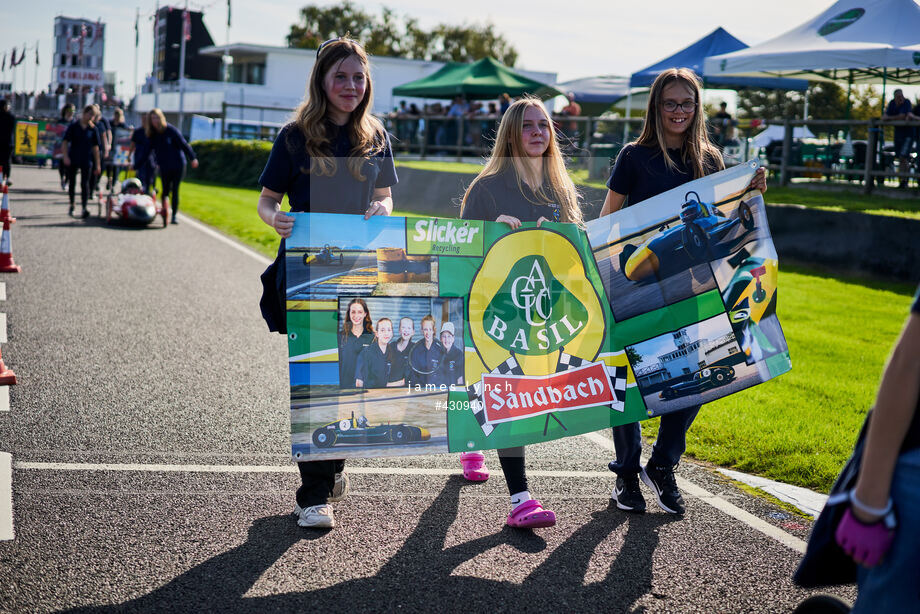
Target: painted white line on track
<point>3,328</point>
<point>6,496</point>
<point>224,239</point>
<point>4,398</point>
<point>689,488</point>
<point>153,468</point>
<point>2,290</point>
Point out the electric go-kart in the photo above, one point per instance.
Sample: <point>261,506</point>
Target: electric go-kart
<point>360,432</point>
<point>131,205</point>
<point>704,379</point>
<point>699,237</point>
<point>324,256</point>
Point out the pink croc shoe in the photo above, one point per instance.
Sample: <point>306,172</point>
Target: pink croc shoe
<point>474,468</point>
<point>531,515</point>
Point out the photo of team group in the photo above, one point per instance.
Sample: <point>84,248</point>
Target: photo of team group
<point>412,342</point>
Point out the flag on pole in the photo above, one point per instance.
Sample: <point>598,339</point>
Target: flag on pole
<point>36,53</point>
<point>4,62</point>
<point>228,13</point>
<point>137,32</point>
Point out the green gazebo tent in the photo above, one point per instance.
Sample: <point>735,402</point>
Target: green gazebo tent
<point>480,80</point>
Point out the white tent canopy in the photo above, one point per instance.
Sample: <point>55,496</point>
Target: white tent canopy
<point>778,132</point>
<point>868,41</point>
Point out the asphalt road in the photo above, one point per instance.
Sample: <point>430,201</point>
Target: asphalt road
<point>151,471</point>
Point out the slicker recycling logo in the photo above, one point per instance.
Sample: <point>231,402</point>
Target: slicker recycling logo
<point>536,322</point>
<point>841,21</point>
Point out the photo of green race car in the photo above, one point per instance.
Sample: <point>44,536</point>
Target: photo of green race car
<point>360,432</point>
<point>704,379</point>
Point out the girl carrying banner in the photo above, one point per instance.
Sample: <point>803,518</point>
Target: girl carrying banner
<point>333,157</point>
<point>672,149</point>
<point>524,181</point>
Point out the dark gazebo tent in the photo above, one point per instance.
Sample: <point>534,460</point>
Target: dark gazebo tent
<point>481,80</point>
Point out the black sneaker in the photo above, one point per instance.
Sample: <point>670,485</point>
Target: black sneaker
<point>661,481</point>
<point>627,495</point>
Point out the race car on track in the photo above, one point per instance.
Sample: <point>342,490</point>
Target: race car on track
<point>360,432</point>
<point>131,205</point>
<point>324,256</point>
<point>704,379</point>
<point>701,236</point>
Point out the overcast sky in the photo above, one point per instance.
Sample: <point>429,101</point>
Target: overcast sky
<point>573,38</point>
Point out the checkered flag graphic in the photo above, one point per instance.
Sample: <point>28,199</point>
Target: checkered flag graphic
<point>567,361</point>
<point>509,367</point>
<point>478,407</point>
<point>617,376</point>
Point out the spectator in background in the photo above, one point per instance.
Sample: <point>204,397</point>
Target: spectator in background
<point>118,131</point>
<point>504,101</point>
<point>570,128</point>
<point>104,128</point>
<point>65,120</point>
<point>81,153</point>
<point>7,136</point>
<point>172,153</point>
<point>721,125</point>
<point>899,109</point>
<point>142,153</point>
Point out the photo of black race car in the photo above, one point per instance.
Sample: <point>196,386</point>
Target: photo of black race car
<point>360,432</point>
<point>704,379</point>
<point>700,236</point>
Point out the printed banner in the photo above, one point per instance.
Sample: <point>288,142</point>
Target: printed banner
<point>26,138</point>
<point>423,335</point>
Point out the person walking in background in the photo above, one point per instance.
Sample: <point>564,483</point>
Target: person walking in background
<point>119,129</point>
<point>142,155</point>
<point>104,129</point>
<point>7,137</point>
<point>81,153</point>
<point>333,157</point>
<point>172,153</point>
<point>889,481</point>
<point>64,120</point>
<point>524,180</point>
<point>673,148</point>
<point>899,109</point>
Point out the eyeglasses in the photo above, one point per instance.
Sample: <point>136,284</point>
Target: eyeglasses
<point>670,106</point>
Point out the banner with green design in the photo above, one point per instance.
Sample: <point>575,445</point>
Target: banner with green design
<point>423,335</point>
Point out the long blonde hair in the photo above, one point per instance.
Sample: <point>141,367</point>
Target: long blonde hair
<point>696,147</point>
<point>149,128</point>
<point>367,134</point>
<point>508,155</point>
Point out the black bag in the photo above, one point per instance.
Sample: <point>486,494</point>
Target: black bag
<point>825,563</point>
<point>274,294</point>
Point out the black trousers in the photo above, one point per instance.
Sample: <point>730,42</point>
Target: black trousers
<point>316,481</point>
<point>6,161</point>
<point>86,182</point>
<point>512,462</point>
<point>171,181</point>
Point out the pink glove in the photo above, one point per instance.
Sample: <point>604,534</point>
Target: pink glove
<point>865,543</point>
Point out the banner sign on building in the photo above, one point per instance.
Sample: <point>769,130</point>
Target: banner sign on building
<point>423,335</point>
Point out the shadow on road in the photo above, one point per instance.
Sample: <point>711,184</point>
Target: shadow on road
<point>418,576</point>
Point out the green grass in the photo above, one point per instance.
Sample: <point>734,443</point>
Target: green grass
<point>798,428</point>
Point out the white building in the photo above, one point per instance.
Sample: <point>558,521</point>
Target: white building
<point>79,51</point>
<point>266,76</point>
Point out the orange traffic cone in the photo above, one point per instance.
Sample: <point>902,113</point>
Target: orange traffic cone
<point>6,250</point>
<point>7,377</point>
<point>5,203</point>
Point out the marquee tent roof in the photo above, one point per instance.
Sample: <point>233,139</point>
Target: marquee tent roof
<point>484,79</point>
<point>716,42</point>
<point>870,41</point>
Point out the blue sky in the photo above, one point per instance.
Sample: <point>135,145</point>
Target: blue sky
<point>575,39</point>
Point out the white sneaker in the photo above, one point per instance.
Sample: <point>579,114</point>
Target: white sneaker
<point>317,517</point>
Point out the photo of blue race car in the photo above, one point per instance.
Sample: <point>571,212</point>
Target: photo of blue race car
<point>703,233</point>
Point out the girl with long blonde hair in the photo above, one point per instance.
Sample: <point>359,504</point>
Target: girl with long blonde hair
<point>524,180</point>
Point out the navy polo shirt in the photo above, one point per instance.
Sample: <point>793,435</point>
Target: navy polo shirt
<point>425,362</point>
<point>403,357</point>
<point>451,366</point>
<point>287,172</point>
<point>497,195</point>
<point>141,147</point>
<point>898,109</point>
<point>80,143</point>
<point>640,172</point>
<point>171,149</point>
<point>376,369</point>
<point>912,439</point>
<point>349,349</point>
